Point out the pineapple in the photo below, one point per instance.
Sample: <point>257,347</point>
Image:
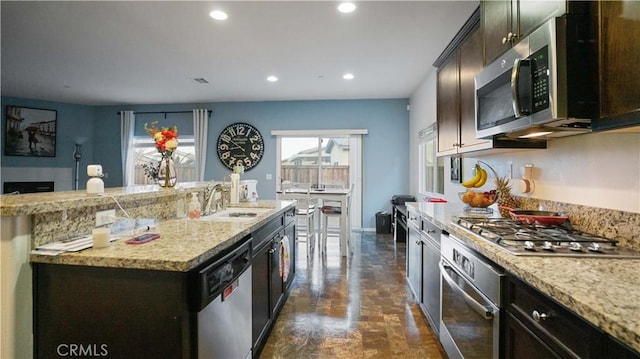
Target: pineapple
<point>505,199</point>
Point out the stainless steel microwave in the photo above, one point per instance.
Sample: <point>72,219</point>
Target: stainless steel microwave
<point>543,87</point>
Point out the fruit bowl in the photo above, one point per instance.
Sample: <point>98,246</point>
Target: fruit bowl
<point>477,199</point>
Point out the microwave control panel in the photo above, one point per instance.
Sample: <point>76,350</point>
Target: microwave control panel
<point>540,74</point>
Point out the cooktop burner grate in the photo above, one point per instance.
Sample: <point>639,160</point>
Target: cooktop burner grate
<point>540,240</point>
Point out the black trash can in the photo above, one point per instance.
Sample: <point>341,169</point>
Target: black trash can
<point>383,222</point>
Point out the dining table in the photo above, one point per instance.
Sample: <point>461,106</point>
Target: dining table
<point>341,195</point>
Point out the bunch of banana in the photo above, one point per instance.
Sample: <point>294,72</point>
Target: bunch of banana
<point>478,180</point>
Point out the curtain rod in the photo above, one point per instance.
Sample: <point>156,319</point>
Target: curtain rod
<point>164,112</point>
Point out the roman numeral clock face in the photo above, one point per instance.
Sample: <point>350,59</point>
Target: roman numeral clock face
<point>240,143</point>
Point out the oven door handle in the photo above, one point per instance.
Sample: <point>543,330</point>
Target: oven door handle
<point>485,312</point>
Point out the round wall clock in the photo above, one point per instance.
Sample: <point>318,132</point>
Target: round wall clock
<point>240,143</point>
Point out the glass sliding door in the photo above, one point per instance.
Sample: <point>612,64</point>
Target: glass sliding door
<point>323,158</point>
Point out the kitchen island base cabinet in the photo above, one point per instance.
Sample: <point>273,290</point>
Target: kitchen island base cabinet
<point>91,311</point>
<point>269,290</point>
<point>111,312</point>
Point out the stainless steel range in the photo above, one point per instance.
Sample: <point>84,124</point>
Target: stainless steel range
<point>523,239</point>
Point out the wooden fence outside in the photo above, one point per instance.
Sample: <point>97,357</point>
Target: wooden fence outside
<point>185,174</point>
<point>331,175</point>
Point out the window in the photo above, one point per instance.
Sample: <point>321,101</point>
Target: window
<point>322,161</point>
<point>431,168</point>
<point>146,154</point>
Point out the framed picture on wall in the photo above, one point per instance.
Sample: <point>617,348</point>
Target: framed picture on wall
<point>30,132</point>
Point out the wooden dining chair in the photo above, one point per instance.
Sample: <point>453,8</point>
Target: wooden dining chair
<point>306,210</point>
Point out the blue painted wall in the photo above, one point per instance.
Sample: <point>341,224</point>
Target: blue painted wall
<point>75,124</point>
<point>386,147</point>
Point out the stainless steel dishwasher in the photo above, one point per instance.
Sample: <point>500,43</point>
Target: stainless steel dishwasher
<point>224,311</point>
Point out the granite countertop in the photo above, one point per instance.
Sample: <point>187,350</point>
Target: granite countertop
<point>34,203</point>
<point>182,246</point>
<point>605,292</point>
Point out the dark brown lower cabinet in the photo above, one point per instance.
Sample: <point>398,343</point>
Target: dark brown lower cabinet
<point>111,312</point>
<point>261,311</point>
<point>269,291</point>
<point>520,342</point>
<point>617,350</point>
<point>290,232</point>
<point>536,326</point>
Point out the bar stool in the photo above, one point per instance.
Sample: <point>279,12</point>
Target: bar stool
<point>306,210</point>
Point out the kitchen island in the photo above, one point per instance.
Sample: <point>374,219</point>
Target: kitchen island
<point>605,292</point>
<point>167,297</point>
<point>35,219</point>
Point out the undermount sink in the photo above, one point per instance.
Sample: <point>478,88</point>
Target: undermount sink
<point>239,214</point>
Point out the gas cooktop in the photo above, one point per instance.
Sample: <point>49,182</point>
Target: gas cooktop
<point>523,239</point>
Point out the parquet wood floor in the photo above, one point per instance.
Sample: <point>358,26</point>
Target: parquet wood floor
<point>355,307</point>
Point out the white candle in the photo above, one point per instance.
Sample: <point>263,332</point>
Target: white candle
<point>101,237</point>
<point>235,188</point>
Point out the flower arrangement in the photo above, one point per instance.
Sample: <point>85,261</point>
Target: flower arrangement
<point>166,141</point>
<point>166,138</point>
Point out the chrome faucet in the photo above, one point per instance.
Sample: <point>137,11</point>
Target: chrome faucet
<point>210,195</point>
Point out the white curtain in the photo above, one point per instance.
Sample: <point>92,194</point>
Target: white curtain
<point>127,122</point>
<point>200,134</point>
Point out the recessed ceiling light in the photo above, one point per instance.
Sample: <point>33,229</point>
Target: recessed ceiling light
<point>348,76</point>
<point>272,78</point>
<point>218,15</point>
<point>346,7</point>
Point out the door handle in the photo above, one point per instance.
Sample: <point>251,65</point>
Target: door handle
<point>515,83</point>
<point>538,316</point>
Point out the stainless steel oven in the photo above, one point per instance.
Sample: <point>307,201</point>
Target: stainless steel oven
<point>471,290</point>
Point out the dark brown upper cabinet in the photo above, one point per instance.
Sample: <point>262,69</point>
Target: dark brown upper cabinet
<point>619,56</point>
<point>457,67</point>
<point>456,94</point>
<point>504,23</point>
<point>456,98</point>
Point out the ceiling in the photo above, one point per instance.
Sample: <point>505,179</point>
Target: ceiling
<point>105,52</point>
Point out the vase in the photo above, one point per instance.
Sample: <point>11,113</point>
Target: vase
<point>167,175</point>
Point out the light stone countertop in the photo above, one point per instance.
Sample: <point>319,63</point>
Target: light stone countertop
<point>605,292</point>
<point>182,246</point>
<point>44,202</point>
